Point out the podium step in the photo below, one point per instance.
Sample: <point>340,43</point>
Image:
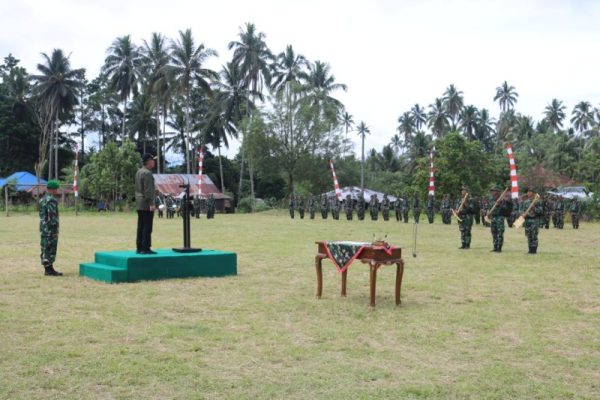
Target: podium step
<point>102,272</point>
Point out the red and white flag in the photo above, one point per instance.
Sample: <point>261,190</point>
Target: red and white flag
<point>200,159</point>
<point>514,181</point>
<point>336,185</point>
<point>431,173</point>
<point>76,173</point>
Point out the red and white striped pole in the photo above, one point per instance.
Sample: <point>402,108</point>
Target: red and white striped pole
<point>431,174</point>
<point>514,181</point>
<point>336,185</point>
<point>200,159</point>
<point>76,173</point>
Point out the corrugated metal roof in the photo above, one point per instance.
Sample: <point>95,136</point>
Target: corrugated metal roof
<point>169,184</point>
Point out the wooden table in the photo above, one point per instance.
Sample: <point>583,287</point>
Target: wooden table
<point>372,255</point>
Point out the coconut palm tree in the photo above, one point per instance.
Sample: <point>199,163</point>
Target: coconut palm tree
<point>506,96</point>
<point>252,55</point>
<point>485,129</point>
<point>122,66</point>
<point>347,121</point>
<point>406,127</point>
<point>419,116</point>
<point>469,118</point>
<point>453,102</point>
<point>396,143</point>
<point>554,114</point>
<point>154,57</point>
<point>187,70</point>
<point>319,84</point>
<point>583,116</point>
<point>437,118</point>
<point>56,88</point>
<point>141,119</point>
<point>362,130</point>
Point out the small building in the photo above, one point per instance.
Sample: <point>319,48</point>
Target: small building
<point>171,184</point>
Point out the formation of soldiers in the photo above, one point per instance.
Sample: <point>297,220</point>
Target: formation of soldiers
<point>172,206</point>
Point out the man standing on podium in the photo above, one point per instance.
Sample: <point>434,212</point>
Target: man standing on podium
<point>144,200</point>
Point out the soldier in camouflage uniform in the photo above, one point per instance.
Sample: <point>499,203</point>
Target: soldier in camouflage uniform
<point>430,208</point>
<point>545,219</point>
<point>312,206</point>
<point>559,210</point>
<point>503,208</point>
<point>374,207</point>
<point>197,206</point>
<point>416,208</point>
<point>445,209</point>
<point>575,211</point>
<point>360,207</point>
<point>292,205</point>
<point>478,210</point>
<point>210,207</point>
<point>324,206</point>
<point>553,211</point>
<point>465,219</point>
<point>514,214</point>
<point>398,208</point>
<point>301,207</point>
<point>335,208</point>
<point>385,208</point>
<point>49,228</point>
<point>532,220</point>
<point>405,208</point>
<point>348,206</point>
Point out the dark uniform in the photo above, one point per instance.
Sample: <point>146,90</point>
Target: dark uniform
<point>514,214</point>
<point>348,206</point>
<point>374,207</point>
<point>465,214</point>
<point>405,208</point>
<point>559,210</point>
<point>49,224</point>
<point>546,211</point>
<point>503,209</point>
<point>532,222</point>
<point>385,208</point>
<point>479,210</point>
<point>292,205</point>
<point>324,206</point>
<point>210,207</point>
<point>144,199</point>
<point>398,208</point>
<point>430,208</point>
<point>196,204</point>
<point>301,207</point>
<point>360,207</point>
<point>445,209</point>
<point>575,211</point>
<point>159,205</point>
<point>416,208</point>
<point>312,206</point>
<point>170,205</point>
<point>335,208</point>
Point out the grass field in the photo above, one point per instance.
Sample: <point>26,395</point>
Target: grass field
<point>472,324</point>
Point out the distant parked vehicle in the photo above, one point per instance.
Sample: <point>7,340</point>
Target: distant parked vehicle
<point>571,192</point>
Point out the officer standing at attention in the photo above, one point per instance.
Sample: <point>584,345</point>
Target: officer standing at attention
<point>144,199</point>
<point>497,215</point>
<point>360,207</point>
<point>465,218</point>
<point>532,220</point>
<point>416,208</point>
<point>49,228</point>
<point>575,210</point>
<point>430,207</point>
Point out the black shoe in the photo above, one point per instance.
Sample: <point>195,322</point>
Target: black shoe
<point>147,252</point>
<point>50,271</point>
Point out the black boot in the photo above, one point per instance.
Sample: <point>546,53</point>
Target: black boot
<point>499,249</point>
<point>50,271</point>
<point>531,250</point>
<point>534,250</point>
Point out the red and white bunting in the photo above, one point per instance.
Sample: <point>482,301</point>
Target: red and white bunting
<point>200,159</point>
<point>431,174</point>
<point>76,173</point>
<point>514,181</point>
<point>336,185</point>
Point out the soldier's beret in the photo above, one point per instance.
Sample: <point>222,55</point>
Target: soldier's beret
<point>53,184</point>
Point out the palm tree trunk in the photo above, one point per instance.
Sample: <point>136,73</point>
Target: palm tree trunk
<point>56,150</point>
<point>362,165</point>
<point>241,170</point>
<point>221,169</point>
<point>157,137</point>
<point>51,151</point>
<point>124,111</point>
<point>164,137</point>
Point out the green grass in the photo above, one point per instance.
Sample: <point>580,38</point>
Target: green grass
<point>472,324</point>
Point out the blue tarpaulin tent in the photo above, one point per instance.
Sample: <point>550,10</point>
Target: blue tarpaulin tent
<point>23,179</point>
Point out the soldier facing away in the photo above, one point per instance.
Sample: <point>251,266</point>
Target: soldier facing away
<point>374,207</point>
<point>497,215</point>
<point>360,207</point>
<point>532,220</point>
<point>348,206</point>
<point>445,209</point>
<point>49,224</point>
<point>405,208</point>
<point>292,205</point>
<point>324,206</point>
<point>301,207</point>
<point>416,208</point>
<point>385,208</point>
<point>575,210</point>
<point>312,206</point>
<point>430,208</point>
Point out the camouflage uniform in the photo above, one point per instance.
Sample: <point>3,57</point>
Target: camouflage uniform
<point>312,206</point>
<point>335,208</point>
<point>348,206</point>
<point>559,210</point>
<point>158,201</point>
<point>405,208</point>
<point>575,210</point>
<point>545,219</point>
<point>416,209</point>
<point>479,209</point>
<point>324,206</point>
<point>514,214</point>
<point>374,208</point>
<point>360,207</point>
<point>430,208</point>
<point>497,216</point>
<point>385,208</point>
<point>197,206</point>
<point>553,212</point>
<point>301,207</point>
<point>532,221</point>
<point>48,229</point>
<point>292,206</point>
<point>210,207</point>
<point>398,208</point>
<point>445,209</point>
<point>466,216</point>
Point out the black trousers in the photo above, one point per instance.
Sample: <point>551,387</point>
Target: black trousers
<point>143,240</point>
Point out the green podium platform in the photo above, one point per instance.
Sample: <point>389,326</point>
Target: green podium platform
<point>127,266</point>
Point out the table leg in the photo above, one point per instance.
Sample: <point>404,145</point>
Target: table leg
<point>319,268</point>
<point>373,283</point>
<point>344,276</point>
<point>399,273</point>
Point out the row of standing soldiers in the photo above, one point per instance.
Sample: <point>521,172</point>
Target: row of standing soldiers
<point>172,206</point>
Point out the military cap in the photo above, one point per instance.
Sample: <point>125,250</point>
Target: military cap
<point>53,184</point>
<point>147,156</point>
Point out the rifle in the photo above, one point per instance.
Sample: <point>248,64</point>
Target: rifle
<point>460,207</point>
<point>487,215</point>
<point>521,220</point>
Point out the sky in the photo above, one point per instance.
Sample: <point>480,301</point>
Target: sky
<point>390,54</point>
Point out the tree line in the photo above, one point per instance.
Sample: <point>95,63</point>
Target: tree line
<point>160,96</point>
